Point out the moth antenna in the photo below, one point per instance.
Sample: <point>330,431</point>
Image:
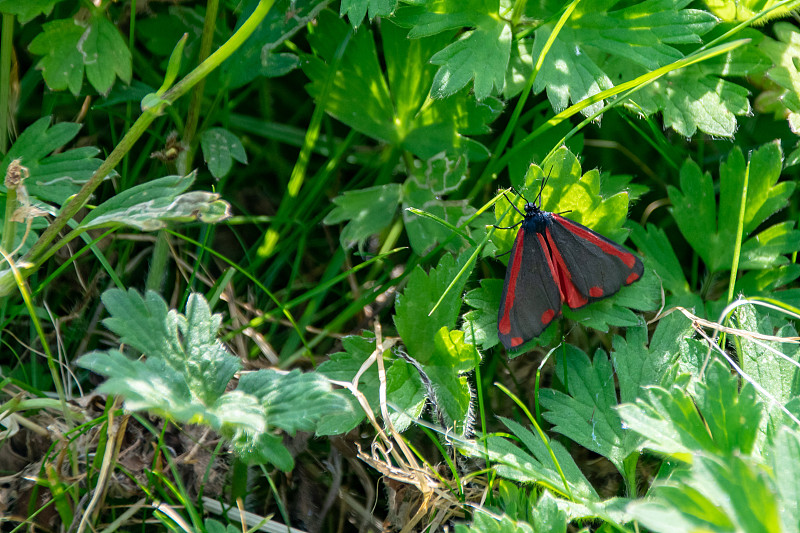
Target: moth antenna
<point>518,193</point>
<point>512,204</point>
<point>541,189</point>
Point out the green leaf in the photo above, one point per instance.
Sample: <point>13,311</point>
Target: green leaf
<point>425,193</point>
<point>152,205</point>
<point>187,369</point>
<point>27,10</point>
<point>69,46</point>
<point>294,401</point>
<point>56,177</point>
<point>717,494</point>
<point>480,324</point>
<point>395,108</point>
<point>694,98</point>
<point>660,256</point>
<point>639,365</point>
<point>430,339</point>
<point>357,9</point>
<point>188,344</point>
<point>587,415</point>
<point>784,458</point>
<point>772,365</point>
<point>220,148</point>
<point>404,390</point>
<point>418,330</point>
<point>719,419</point>
<point>368,211</point>
<point>712,236</point>
<point>260,54</point>
<point>451,359</point>
<point>489,523</point>
<point>586,55</point>
<point>263,448</point>
<point>784,73</point>
<point>534,464</point>
<point>480,54</point>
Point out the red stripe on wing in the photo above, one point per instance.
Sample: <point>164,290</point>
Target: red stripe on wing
<point>569,293</point>
<point>626,257</point>
<point>511,291</point>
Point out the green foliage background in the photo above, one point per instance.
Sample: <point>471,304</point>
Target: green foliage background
<point>283,218</point>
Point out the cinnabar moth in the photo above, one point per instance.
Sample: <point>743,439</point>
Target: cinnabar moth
<point>554,261</point>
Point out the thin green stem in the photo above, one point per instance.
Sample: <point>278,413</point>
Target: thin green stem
<point>193,116</point>
<point>737,245</point>
<point>143,123</point>
<point>6,45</point>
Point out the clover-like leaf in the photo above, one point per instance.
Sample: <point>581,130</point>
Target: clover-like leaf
<point>220,148</point>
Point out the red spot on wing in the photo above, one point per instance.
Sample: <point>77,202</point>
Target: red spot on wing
<point>587,234</point>
<point>511,290</point>
<point>631,278</point>
<point>516,341</point>
<point>569,293</point>
<point>596,292</point>
<point>547,316</point>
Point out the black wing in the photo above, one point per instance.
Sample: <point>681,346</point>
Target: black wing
<point>531,298</point>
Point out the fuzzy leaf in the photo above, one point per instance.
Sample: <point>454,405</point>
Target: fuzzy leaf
<point>294,401</point>
<point>150,206</point>
<point>187,369</point>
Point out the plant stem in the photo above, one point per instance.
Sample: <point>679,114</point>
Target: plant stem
<point>142,124</point>
<point>193,116</point>
<point>6,45</point>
